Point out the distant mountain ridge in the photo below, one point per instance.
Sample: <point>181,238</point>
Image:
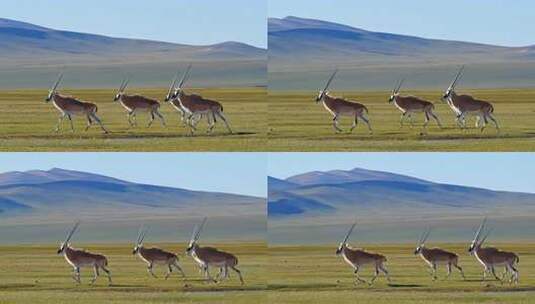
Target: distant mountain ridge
<point>341,194</point>
<point>302,52</point>
<point>63,193</point>
<point>30,54</point>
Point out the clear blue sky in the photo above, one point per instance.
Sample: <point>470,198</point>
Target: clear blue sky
<point>497,171</point>
<point>182,21</point>
<point>501,22</point>
<point>241,173</point>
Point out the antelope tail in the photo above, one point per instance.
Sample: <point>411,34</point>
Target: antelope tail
<point>366,109</point>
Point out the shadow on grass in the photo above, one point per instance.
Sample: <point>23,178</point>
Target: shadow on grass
<point>122,135</point>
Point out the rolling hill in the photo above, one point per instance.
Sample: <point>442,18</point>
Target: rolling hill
<point>59,194</point>
<point>27,50</point>
<point>301,48</point>
<point>317,207</point>
<point>345,194</point>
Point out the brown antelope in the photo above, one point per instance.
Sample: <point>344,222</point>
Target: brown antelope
<point>491,257</point>
<point>137,103</point>
<point>339,107</point>
<point>81,258</point>
<point>195,106</point>
<point>69,106</point>
<point>409,105</point>
<point>155,256</point>
<point>464,105</point>
<point>358,258</point>
<point>436,256</point>
<point>210,256</point>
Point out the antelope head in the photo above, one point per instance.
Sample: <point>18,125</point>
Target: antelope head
<point>120,92</point>
<point>52,90</point>
<point>178,89</point>
<point>343,244</point>
<point>395,91</point>
<point>451,88</point>
<point>325,91</point>
<point>65,243</point>
<point>477,242</point>
<point>139,242</point>
<point>192,246</point>
<point>421,242</point>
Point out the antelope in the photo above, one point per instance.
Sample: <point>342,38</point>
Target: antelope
<point>195,106</point>
<point>410,104</point>
<point>436,256</point>
<point>153,256</point>
<point>491,257</point>
<point>137,103</point>
<point>464,105</point>
<point>358,258</point>
<point>70,106</point>
<point>210,256</point>
<point>81,258</point>
<point>339,107</point>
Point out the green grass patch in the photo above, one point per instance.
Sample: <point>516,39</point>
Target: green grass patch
<point>28,123</point>
<point>297,123</point>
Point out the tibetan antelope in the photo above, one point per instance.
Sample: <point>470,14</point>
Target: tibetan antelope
<point>436,256</point>
<point>339,107</point>
<point>195,106</point>
<point>210,256</point>
<point>81,258</point>
<point>464,105</point>
<point>409,105</point>
<point>491,257</point>
<point>69,106</point>
<point>137,103</point>
<point>155,256</point>
<point>358,258</point>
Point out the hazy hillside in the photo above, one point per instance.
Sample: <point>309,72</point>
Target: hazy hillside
<point>57,194</point>
<point>345,194</point>
<point>28,51</point>
<point>301,51</point>
<point>316,207</point>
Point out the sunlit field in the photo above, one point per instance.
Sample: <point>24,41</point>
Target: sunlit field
<point>296,122</point>
<point>36,274</point>
<point>27,123</point>
<point>314,274</point>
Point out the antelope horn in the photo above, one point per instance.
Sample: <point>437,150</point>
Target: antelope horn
<point>425,236</point>
<point>349,233</point>
<point>485,237</point>
<point>476,238</point>
<point>69,235</point>
<point>457,77</point>
<point>143,236</point>
<point>173,83</point>
<point>400,84</point>
<point>200,228</point>
<point>124,85</point>
<point>55,86</point>
<point>139,234</point>
<point>330,80</point>
<point>184,77</point>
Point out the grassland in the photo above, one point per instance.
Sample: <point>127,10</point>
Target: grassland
<point>313,274</point>
<point>35,274</point>
<point>296,122</point>
<point>27,123</point>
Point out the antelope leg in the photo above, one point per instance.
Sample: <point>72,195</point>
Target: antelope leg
<point>151,119</point>
<point>96,275</point>
<point>60,120</point>
<point>225,121</point>
<point>367,121</point>
<point>95,117</point>
<point>160,116</point>
<point>383,269</point>
<point>357,277</point>
<point>149,269</point>
<point>239,274</point>
<point>70,120</point>
<point>169,271</point>
<point>179,269</point>
<point>108,273</point>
